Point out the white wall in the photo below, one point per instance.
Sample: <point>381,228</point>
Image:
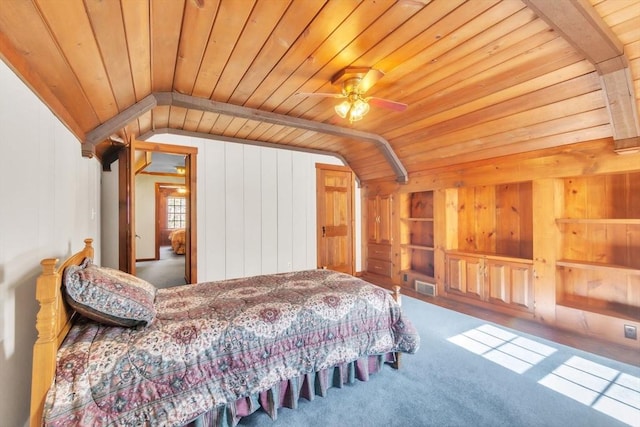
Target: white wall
<point>49,202</point>
<point>256,208</point>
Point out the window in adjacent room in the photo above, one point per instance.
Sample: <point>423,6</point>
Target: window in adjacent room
<point>176,212</point>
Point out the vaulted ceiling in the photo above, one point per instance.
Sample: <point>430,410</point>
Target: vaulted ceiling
<point>482,78</point>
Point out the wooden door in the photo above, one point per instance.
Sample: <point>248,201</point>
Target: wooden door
<point>335,218</point>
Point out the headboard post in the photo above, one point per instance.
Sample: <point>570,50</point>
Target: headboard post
<point>44,365</point>
<point>53,322</point>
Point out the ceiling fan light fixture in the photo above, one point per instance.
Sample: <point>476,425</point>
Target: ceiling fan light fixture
<point>353,109</point>
<point>359,108</point>
<point>343,108</point>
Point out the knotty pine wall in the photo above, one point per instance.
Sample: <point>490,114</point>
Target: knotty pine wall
<point>49,203</point>
<point>256,209</point>
<point>546,170</point>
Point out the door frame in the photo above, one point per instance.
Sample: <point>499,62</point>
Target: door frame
<point>126,198</point>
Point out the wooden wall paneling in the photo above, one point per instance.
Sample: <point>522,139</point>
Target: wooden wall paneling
<point>440,226</point>
<point>508,219</point>
<point>466,220</point>
<point>526,219</point>
<point>548,204</point>
<point>252,224</point>
<point>451,219</point>
<point>485,218</point>
<point>574,207</point>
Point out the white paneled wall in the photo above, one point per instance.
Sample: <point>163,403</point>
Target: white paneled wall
<point>256,208</point>
<point>50,202</point>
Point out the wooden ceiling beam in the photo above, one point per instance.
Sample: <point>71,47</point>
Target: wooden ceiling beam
<point>581,26</point>
<point>174,99</point>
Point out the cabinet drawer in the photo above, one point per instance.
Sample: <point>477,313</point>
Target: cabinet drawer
<point>379,252</point>
<point>382,268</point>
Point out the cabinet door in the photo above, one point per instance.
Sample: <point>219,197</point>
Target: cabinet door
<point>372,219</point>
<point>464,275</point>
<point>510,283</point>
<point>384,219</point>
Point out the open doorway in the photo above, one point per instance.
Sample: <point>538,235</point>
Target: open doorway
<point>158,219</point>
<point>161,218</point>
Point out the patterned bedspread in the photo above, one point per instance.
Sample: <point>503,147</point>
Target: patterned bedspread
<point>215,342</point>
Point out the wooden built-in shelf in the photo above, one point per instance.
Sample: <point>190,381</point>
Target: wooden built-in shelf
<point>606,308</point>
<point>418,247</point>
<point>621,221</point>
<point>492,256</point>
<point>597,266</point>
<point>417,236</point>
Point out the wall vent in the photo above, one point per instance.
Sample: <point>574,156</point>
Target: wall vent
<point>426,288</point>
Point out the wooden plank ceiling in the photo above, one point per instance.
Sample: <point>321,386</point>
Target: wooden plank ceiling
<point>482,78</point>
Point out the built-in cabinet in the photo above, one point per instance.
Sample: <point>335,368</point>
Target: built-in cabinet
<point>503,281</point>
<point>598,273</point>
<point>561,249</point>
<point>379,208</point>
<point>488,260</point>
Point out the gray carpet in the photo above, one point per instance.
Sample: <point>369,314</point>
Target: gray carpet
<point>445,384</point>
<point>167,271</point>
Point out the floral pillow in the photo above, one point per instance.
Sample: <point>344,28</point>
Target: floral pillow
<point>109,296</point>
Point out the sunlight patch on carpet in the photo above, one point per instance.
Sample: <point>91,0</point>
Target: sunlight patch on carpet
<point>505,348</point>
<point>605,389</point>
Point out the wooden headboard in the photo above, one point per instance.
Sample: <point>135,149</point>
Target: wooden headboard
<point>53,323</point>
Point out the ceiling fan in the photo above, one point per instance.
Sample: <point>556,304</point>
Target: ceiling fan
<point>354,82</point>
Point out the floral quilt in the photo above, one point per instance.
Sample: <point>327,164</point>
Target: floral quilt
<point>215,342</point>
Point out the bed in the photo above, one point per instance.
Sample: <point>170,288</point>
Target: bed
<point>205,354</point>
<point>178,241</point>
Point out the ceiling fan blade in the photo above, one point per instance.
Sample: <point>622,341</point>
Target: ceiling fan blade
<point>369,79</point>
<point>321,94</point>
<point>385,103</point>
